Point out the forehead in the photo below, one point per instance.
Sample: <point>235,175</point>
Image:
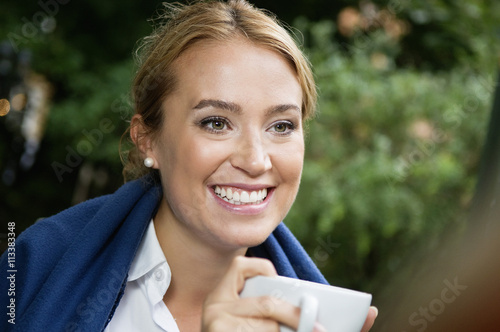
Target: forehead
<point>235,68</point>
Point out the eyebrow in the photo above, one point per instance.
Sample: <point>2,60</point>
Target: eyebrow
<point>220,104</point>
<point>235,108</point>
<point>283,108</point>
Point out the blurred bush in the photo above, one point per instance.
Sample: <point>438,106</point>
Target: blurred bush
<point>392,158</point>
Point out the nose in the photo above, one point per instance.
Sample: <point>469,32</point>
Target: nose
<point>251,156</point>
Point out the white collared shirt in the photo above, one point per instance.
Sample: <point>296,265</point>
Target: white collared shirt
<point>141,307</point>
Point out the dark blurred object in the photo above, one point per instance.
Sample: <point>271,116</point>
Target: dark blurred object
<point>477,261</point>
<point>22,128</point>
<point>456,289</point>
<point>487,197</point>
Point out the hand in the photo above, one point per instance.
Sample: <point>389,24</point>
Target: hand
<point>224,310</point>
<point>370,319</point>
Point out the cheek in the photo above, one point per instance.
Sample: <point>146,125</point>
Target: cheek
<point>290,160</point>
<point>203,157</point>
<point>192,159</point>
<point>289,163</point>
<point>185,166</point>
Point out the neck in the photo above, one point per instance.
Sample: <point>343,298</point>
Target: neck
<point>197,267</point>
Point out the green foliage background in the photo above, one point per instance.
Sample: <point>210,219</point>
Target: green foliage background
<point>391,160</point>
<point>374,189</point>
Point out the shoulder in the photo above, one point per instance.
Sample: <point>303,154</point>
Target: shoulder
<point>38,249</point>
<point>54,233</point>
<point>40,246</point>
<point>54,252</point>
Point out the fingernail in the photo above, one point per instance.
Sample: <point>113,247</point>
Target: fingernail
<point>318,327</point>
<point>376,311</point>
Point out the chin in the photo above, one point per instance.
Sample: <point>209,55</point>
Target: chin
<point>247,238</point>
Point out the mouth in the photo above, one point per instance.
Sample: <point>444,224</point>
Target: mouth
<point>238,196</point>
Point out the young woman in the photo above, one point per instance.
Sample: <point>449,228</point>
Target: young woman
<point>221,96</point>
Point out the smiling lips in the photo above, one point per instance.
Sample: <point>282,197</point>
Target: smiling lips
<point>238,196</point>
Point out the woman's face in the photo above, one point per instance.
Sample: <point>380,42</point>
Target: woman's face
<point>230,152</point>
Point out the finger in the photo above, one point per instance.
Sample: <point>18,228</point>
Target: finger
<point>240,269</point>
<point>258,310</point>
<point>247,324</point>
<point>267,307</point>
<point>370,319</point>
<point>256,325</point>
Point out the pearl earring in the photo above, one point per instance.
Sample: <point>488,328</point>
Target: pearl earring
<point>148,162</point>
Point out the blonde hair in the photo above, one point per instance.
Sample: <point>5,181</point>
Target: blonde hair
<point>183,25</point>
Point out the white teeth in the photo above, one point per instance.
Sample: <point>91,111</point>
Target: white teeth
<point>242,197</point>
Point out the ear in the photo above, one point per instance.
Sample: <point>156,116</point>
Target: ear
<point>141,139</point>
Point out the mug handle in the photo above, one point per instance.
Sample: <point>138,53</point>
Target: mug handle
<point>308,313</point>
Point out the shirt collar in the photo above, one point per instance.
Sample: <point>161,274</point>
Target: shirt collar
<point>148,256</point>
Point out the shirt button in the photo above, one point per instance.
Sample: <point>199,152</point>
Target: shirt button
<point>158,275</point>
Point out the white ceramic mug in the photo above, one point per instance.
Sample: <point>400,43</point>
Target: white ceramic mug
<point>337,309</point>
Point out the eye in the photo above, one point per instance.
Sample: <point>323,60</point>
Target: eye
<point>214,124</point>
<point>217,124</point>
<point>283,127</point>
<point>280,127</point>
